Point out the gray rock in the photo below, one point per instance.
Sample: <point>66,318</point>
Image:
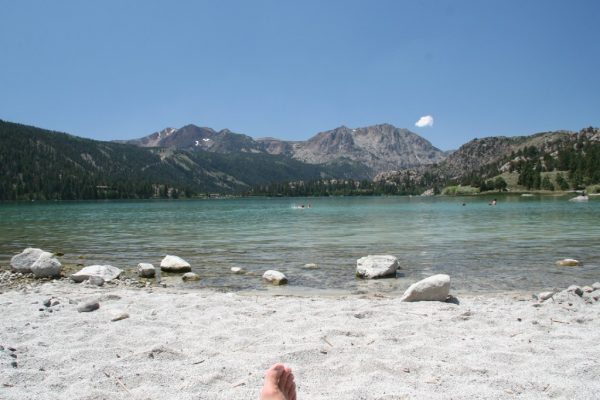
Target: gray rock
<point>47,302</point>
<point>96,280</point>
<point>596,285</point>
<point>23,261</point>
<point>433,288</point>
<point>106,272</point>
<point>275,277</point>
<point>46,266</point>
<point>545,296</point>
<point>587,289</point>
<point>118,316</point>
<point>88,306</point>
<point>372,267</point>
<point>592,296</point>
<point>569,297</point>
<point>575,289</point>
<point>146,270</point>
<point>174,264</point>
<point>190,276</point>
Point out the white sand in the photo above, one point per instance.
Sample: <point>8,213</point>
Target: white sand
<point>207,345</point>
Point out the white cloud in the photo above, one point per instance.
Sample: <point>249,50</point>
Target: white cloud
<point>427,120</point>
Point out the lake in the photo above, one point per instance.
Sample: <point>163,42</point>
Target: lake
<point>511,246</point>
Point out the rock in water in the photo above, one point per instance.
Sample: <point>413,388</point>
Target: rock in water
<point>371,267</point>
<point>190,276</point>
<point>46,266</point>
<point>311,266</point>
<point>237,270</point>
<point>88,306</point>
<point>568,262</point>
<point>146,270</point>
<point>174,264</point>
<point>106,272</point>
<point>434,288</point>
<point>23,261</point>
<point>275,277</point>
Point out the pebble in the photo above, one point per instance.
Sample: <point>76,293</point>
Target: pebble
<point>119,316</point>
<point>47,302</point>
<point>14,364</point>
<point>88,306</point>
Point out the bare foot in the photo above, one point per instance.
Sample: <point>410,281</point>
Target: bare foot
<point>279,384</point>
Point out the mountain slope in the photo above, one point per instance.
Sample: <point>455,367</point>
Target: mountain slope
<point>377,148</point>
<point>41,164</point>
<point>380,147</point>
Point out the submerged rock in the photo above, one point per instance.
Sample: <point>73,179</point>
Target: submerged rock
<point>372,267</point>
<point>174,264</point>
<point>568,262</point>
<point>275,277</point>
<point>106,272</point>
<point>190,276</point>
<point>146,270</point>
<point>433,288</point>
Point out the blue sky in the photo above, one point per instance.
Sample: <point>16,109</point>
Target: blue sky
<point>289,69</point>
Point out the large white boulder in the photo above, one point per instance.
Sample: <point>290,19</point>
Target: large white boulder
<point>434,288</point>
<point>371,267</point>
<point>175,264</point>
<point>275,277</point>
<point>23,261</point>
<point>106,272</point>
<point>46,266</point>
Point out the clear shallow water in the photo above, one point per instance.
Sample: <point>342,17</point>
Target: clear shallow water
<point>512,246</point>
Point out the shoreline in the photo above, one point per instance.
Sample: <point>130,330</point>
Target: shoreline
<point>206,344</point>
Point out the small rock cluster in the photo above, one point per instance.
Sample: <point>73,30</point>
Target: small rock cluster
<point>10,353</point>
<point>40,263</point>
<point>572,294</point>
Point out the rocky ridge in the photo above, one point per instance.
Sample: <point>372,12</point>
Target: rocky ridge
<point>379,147</point>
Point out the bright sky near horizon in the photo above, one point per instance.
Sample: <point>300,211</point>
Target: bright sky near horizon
<point>118,69</point>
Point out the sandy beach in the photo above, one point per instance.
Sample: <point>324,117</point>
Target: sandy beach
<point>203,344</point>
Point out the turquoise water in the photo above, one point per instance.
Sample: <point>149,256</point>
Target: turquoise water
<point>510,246</point>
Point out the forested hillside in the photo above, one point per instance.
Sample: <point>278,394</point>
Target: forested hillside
<point>37,164</point>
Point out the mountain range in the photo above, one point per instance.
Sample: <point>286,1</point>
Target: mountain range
<point>191,160</point>
<point>377,148</point>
